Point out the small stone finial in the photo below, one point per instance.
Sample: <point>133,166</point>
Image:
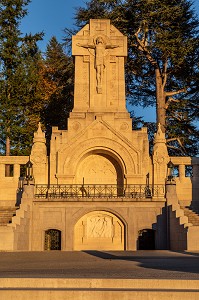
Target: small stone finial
<point>159,137</point>
<point>39,135</point>
<point>38,152</point>
<point>39,131</point>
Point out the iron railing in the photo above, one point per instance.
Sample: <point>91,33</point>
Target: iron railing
<point>65,191</point>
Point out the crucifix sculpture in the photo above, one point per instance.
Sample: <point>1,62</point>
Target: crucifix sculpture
<point>100,46</point>
<point>99,50</point>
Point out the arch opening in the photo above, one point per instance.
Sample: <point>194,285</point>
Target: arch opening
<point>52,239</point>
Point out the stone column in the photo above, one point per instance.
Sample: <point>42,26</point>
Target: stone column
<point>195,185</point>
<point>160,159</point>
<point>181,172</point>
<point>39,157</point>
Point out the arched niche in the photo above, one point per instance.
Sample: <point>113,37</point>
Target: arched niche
<point>99,167</point>
<point>70,157</point>
<point>99,230</point>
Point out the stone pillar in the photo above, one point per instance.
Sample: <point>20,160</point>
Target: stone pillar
<point>181,172</point>
<point>39,157</point>
<point>171,199</point>
<point>160,158</point>
<point>28,191</point>
<point>171,195</point>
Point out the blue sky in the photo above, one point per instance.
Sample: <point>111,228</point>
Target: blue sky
<point>45,15</point>
<point>53,16</point>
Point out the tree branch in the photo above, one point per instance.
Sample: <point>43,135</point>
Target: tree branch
<point>176,92</point>
<point>178,140</point>
<point>142,46</point>
<point>175,148</point>
<point>169,101</point>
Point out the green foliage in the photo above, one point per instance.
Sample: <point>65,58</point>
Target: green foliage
<point>19,58</point>
<point>182,131</point>
<point>60,77</point>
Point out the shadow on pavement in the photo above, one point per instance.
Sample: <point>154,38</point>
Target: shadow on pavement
<point>171,261</point>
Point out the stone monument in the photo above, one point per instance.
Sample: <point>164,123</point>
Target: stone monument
<point>100,51</point>
<point>99,188</point>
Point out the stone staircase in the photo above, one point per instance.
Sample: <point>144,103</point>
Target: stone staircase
<point>192,214</point>
<point>6,214</point>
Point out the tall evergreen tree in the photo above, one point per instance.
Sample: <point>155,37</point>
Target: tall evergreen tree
<point>162,67</point>
<point>17,75</point>
<point>59,83</point>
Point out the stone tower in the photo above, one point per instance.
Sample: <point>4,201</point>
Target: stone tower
<point>99,145</point>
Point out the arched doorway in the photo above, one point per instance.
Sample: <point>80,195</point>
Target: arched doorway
<point>52,239</point>
<point>99,230</point>
<point>146,239</point>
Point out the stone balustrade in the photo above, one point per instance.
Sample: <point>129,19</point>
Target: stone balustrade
<point>186,174</point>
<point>9,182</point>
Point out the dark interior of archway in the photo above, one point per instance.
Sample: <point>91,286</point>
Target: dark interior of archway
<point>146,239</point>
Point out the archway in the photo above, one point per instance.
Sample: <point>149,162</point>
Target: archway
<point>146,239</point>
<point>99,230</point>
<point>52,239</point>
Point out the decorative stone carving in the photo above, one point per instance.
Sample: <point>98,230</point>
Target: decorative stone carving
<point>39,156</point>
<point>124,127</point>
<point>76,126</point>
<point>38,152</point>
<point>97,169</point>
<point>99,230</point>
<point>160,157</point>
<point>99,48</point>
<point>100,44</point>
<point>99,226</point>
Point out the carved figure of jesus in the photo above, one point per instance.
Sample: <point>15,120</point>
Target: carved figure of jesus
<point>100,47</point>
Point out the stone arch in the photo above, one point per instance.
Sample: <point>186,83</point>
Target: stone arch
<point>146,239</point>
<point>99,167</point>
<point>99,230</point>
<point>127,157</point>
<point>52,239</point>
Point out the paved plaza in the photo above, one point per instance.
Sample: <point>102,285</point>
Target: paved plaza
<point>96,264</point>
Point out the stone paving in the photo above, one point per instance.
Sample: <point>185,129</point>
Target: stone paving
<point>96,264</point>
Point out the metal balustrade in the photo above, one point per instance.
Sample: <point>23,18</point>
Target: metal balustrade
<point>65,191</point>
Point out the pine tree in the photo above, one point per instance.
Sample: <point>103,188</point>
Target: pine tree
<point>18,76</point>
<point>162,67</point>
<point>59,83</point>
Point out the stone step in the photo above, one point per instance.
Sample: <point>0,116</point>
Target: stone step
<point>100,289</point>
<point>6,214</point>
<point>192,215</point>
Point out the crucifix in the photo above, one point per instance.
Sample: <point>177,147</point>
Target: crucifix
<point>100,46</point>
<point>99,50</point>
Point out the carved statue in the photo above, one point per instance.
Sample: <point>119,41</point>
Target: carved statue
<point>99,45</point>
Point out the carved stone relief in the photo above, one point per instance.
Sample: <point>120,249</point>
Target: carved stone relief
<point>99,226</point>
<point>99,230</point>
